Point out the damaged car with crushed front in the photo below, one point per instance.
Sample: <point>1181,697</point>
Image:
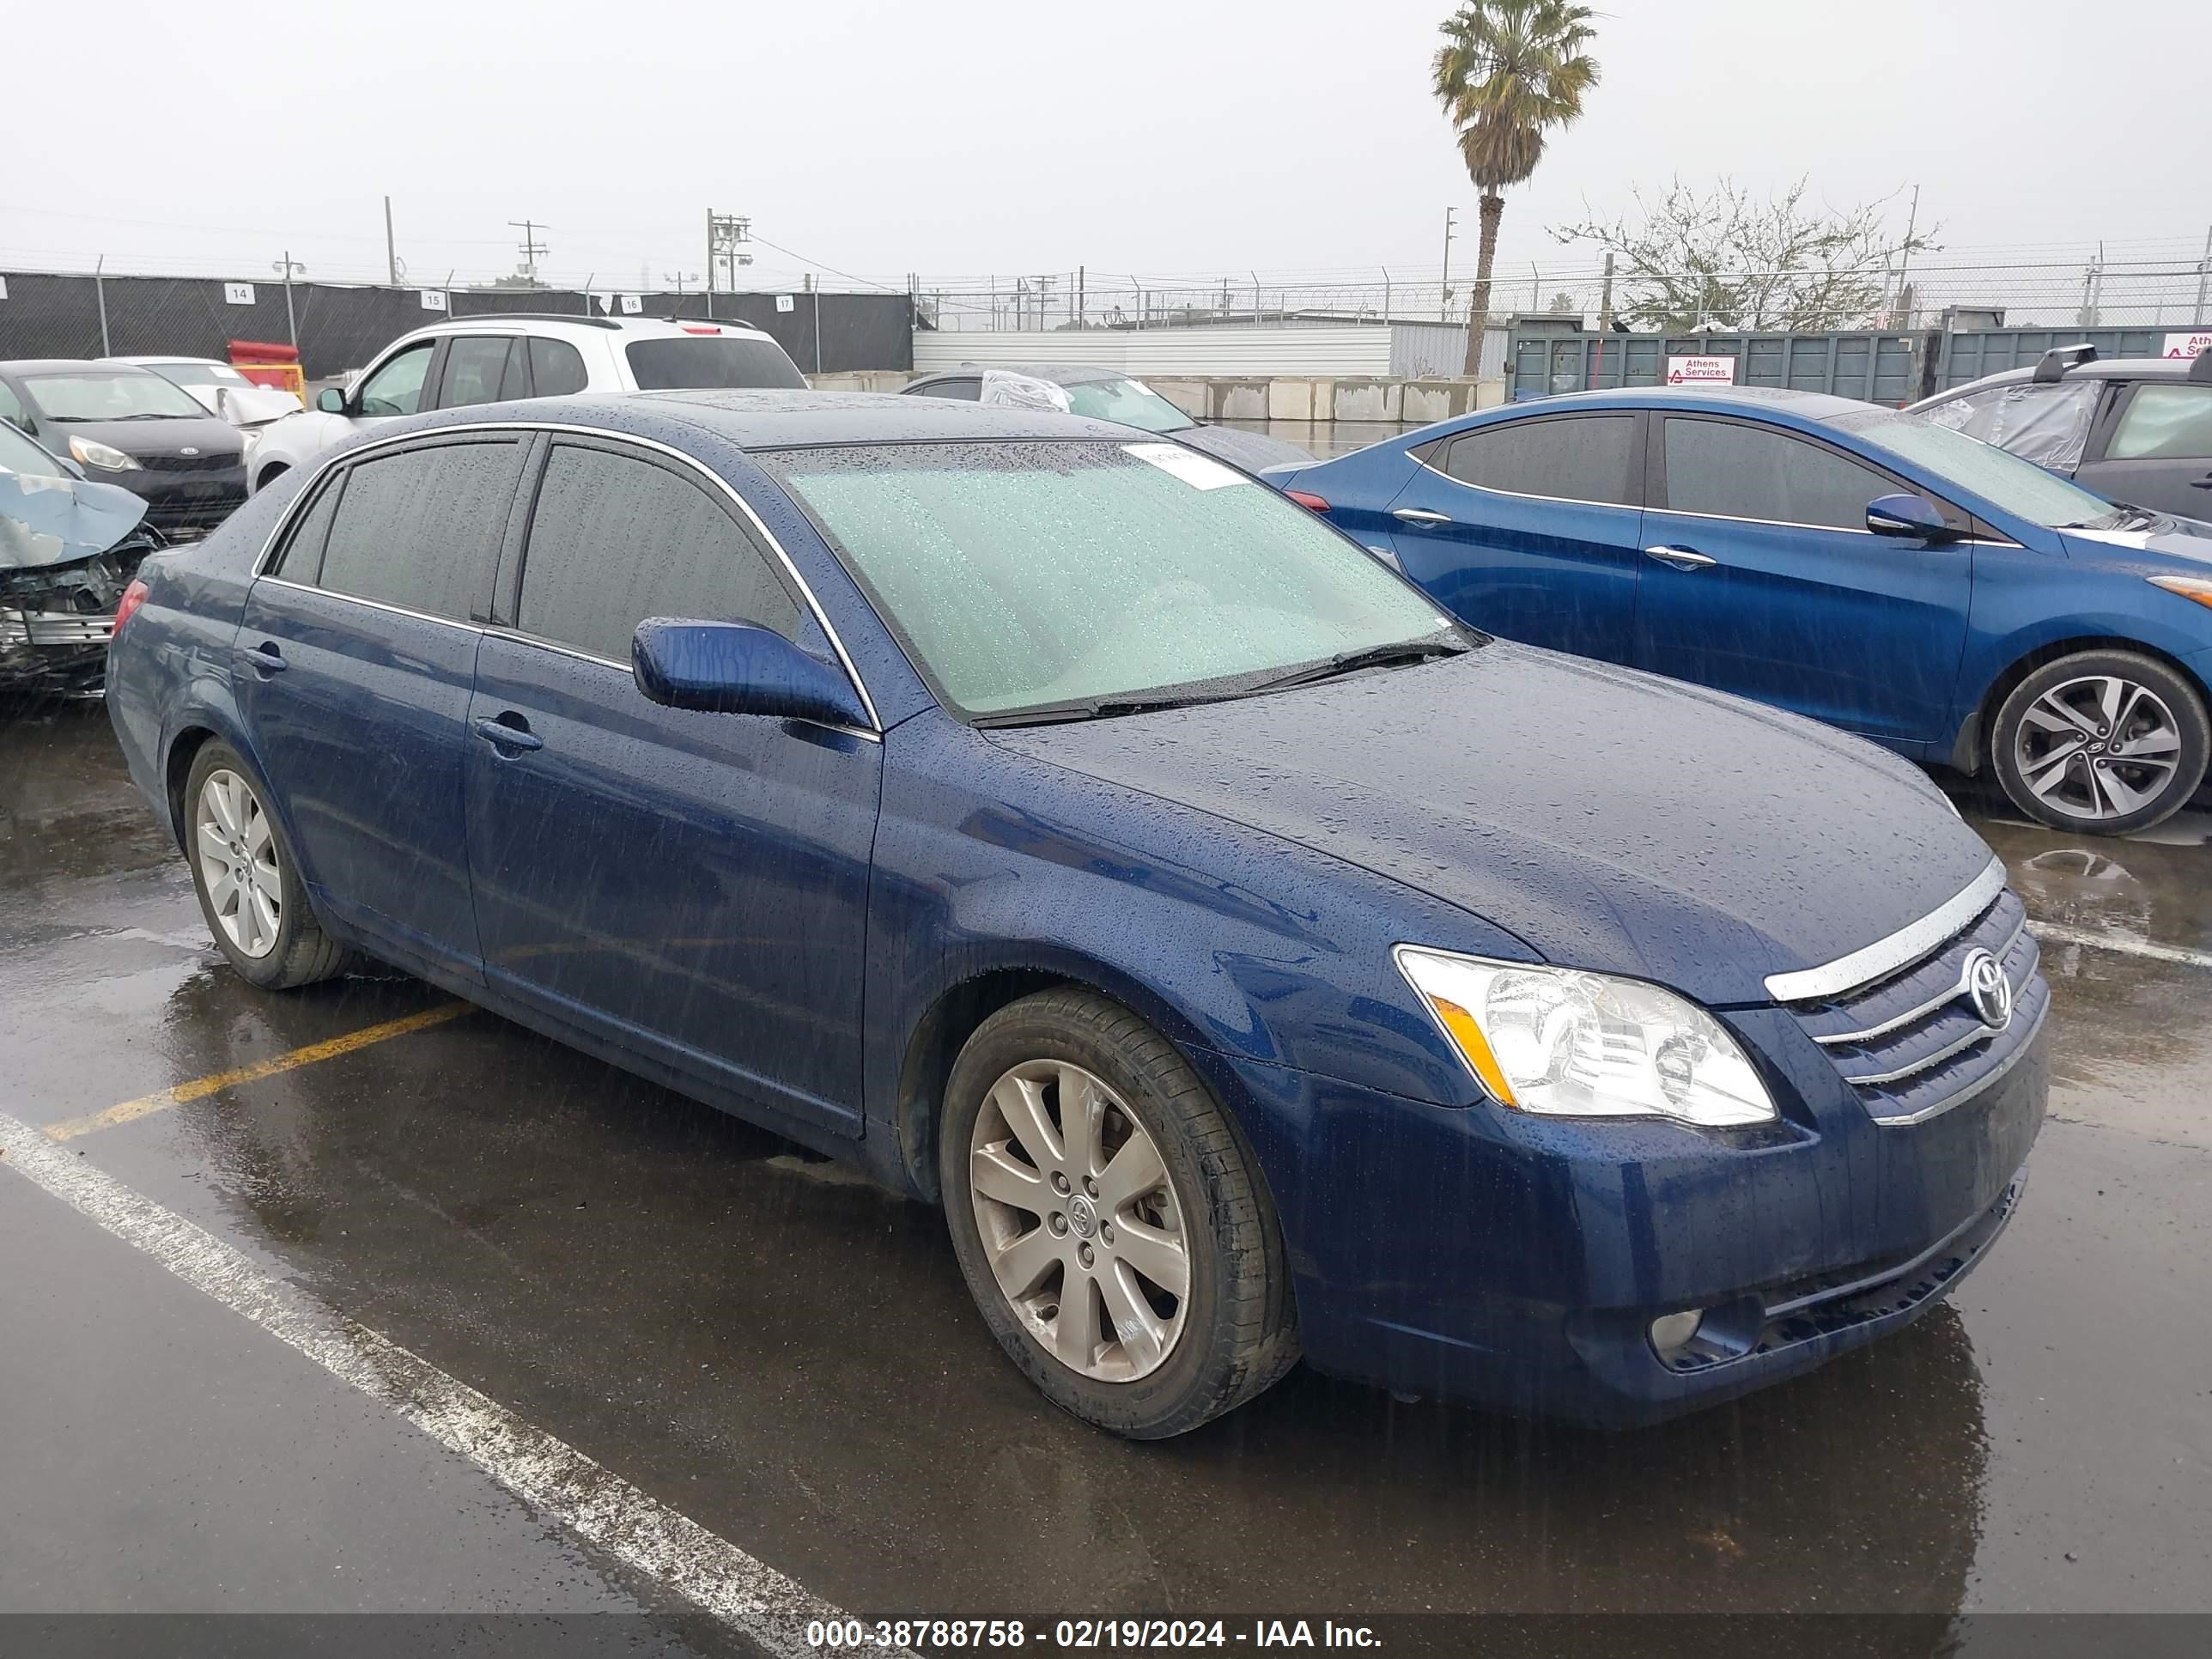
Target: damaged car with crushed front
<point>69,549</point>
<point>1252,960</point>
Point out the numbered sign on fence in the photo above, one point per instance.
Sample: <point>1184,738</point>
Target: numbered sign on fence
<point>434,299</point>
<point>238,294</point>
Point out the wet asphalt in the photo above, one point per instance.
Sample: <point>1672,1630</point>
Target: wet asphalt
<point>786,1355</point>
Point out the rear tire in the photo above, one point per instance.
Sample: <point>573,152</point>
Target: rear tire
<point>1056,1221</point>
<point>248,879</point>
<point>2105,742</point>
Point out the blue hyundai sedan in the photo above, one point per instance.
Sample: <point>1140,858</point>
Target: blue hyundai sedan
<point>1884,574</point>
<point>1250,960</point>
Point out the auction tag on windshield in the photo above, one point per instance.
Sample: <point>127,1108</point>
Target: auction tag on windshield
<point>1199,471</point>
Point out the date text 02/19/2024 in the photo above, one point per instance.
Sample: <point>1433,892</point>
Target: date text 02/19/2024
<point>938,1635</point>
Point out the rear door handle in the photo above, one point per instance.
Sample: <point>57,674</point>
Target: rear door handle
<point>266,657</point>
<point>1683,558</point>
<point>1416,515</point>
<point>509,732</point>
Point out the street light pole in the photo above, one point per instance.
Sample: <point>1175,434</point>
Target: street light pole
<point>1443,303</point>
<point>288,265</point>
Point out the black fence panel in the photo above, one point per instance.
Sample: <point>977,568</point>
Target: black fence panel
<point>339,328</point>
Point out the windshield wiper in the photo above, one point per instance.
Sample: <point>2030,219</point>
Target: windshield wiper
<point>1397,654</point>
<point>1101,709</point>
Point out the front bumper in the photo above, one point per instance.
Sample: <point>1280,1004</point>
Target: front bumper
<point>1500,1259</point>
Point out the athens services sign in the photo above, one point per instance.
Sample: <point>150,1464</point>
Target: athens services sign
<point>2187,347</point>
<point>1701,371</point>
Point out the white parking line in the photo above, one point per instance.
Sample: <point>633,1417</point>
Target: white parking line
<point>549,1474</point>
<point>2054,933</point>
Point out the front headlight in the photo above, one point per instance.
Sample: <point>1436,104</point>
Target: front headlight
<point>1563,1042</point>
<point>103,456</point>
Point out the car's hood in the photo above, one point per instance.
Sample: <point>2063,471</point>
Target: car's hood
<point>1610,819</point>
<point>174,435</point>
<point>1250,450</point>
<point>2174,538</point>
<point>46,521</point>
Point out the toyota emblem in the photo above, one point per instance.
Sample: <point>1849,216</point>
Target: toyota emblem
<point>1987,990</point>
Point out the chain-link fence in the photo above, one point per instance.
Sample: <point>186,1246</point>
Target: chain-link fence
<point>340,327</point>
<point>2087,293</point>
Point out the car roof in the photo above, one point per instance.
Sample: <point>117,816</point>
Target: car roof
<point>70,366</point>
<point>542,322</point>
<point>147,361</point>
<point>1808,405</point>
<point>1058,374</point>
<point>2104,368</point>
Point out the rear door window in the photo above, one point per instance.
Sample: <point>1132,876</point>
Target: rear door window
<point>2163,422</point>
<point>475,366</point>
<point>557,367</point>
<point>1583,458</point>
<point>1730,470</point>
<point>616,537</point>
<point>421,529</point>
<point>699,360</point>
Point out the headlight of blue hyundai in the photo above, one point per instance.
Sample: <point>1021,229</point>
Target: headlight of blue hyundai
<point>1565,1042</point>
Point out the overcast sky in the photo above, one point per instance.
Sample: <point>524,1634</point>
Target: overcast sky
<point>968,137</point>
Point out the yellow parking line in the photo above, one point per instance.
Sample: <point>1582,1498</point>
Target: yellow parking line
<point>130,1110</point>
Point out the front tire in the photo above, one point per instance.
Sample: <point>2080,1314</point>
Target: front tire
<point>248,881</point>
<point>1107,1219</point>
<point>2102,741</point>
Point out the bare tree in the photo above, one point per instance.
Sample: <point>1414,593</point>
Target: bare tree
<point>1729,259</point>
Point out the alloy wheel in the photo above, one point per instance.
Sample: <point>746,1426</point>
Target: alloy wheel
<point>236,848</point>
<point>2097,748</point>
<point>1079,1221</point>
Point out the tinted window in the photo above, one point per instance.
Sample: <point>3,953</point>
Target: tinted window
<point>557,367</point>
<point>396,388</point>
<point>1584,459</point>
<point>616,539</point>
<point>1736,471</point>
<point>968,391</point>
<point>421,529</point>
<point>301,559</point>
<point>2163,422</point>
<point>710,360</point>
<point>474,369</point>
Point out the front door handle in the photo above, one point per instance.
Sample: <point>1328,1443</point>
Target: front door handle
<point>2204,482</point>
<point>1683,558</point>
<point>1416,515</point>
<point>266,659</point>
<point>509,732</point>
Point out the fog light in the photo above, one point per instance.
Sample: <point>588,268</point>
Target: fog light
<point>1671,1332</point>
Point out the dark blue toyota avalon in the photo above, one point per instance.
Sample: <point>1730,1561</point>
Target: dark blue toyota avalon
<point>1252,960</point>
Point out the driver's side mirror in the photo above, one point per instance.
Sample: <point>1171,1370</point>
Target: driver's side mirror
<point>1908,516</point>
<point>330,400</point>
<point>736,668</point>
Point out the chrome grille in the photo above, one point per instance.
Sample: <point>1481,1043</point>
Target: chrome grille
<point>1909,1043</point>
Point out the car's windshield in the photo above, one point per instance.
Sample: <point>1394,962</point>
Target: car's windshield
<point>19,454</point>
<point>2006,482</point>
<point>711,361</point>
<point>132,395</point>
<point>191,373</point>
<point>1027,574</point>
<point>1130,402</point>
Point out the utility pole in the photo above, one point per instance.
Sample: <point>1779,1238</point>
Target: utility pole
<point>288,265</point>
<point>727,233</point>
<point>1443,305</point>
<point>1083,292</point>
<point>390,247</point>
<point>1905,264</point>
<point>532,248</point>
<point>2204,279</point>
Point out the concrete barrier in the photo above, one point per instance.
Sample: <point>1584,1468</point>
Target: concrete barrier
<point>1311,398</point>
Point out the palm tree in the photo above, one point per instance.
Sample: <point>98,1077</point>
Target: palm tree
<point>1509,72</point>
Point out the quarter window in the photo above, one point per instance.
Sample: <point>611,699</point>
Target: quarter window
<point>557,366</point>
<point>966,391</point>
<point>396,388</point>
<point>1727,470</point>
<point>474,367</point>
<point>616,538</point>
<point>421,529</point>
<point>301,557</point>
<point>1585,459</point>
<point>2163,422</point>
